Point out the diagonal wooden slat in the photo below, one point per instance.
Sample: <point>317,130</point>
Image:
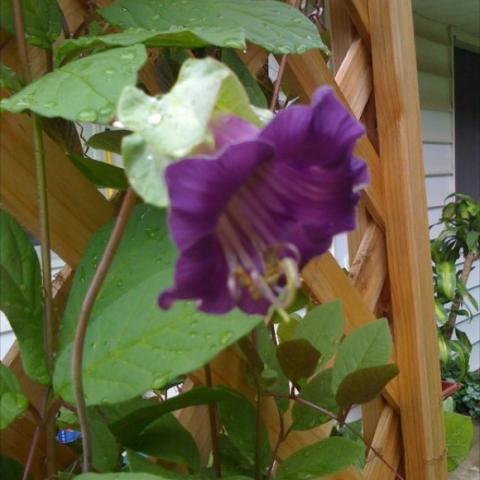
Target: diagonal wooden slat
<point>398,114</point>
<point>358,10</point>
<point>76,208</point>
<point>354,77</point>
<point>342,32</point>
<point>387,441</point>
<point>368,271</point>
<point>310,71</point>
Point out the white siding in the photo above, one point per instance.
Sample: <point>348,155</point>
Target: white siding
<point>435,77</point>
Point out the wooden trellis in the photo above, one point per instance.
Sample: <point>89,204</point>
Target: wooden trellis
<point>375,76</point>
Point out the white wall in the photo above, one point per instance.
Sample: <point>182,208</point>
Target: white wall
<point>435,75</point>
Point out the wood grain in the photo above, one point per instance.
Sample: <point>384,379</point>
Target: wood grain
<point>386,441</point>
<point>398,115</point>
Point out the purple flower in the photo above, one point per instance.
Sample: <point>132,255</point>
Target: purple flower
<point>247,217</point>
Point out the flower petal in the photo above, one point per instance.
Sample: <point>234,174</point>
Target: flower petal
<point>201,274</point>
<point>228,129</point>
<point>324,132</point>
<point>199,188</point>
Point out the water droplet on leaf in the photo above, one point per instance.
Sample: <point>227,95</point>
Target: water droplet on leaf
<point>88,115</point>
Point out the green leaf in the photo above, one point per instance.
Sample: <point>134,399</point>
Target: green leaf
<point>239,420</point>
<point>440,313</point>
<point>298,359</point>
<point>446,278</point>
<point>168,440</point>
<point>277,27</point>
<point>231,458</point>
<point>113,413</point>
<point>11,469</point>
<point>367,346</point>
<point>364,385</point>
<point>120,476</point>
<point>170,127</point>
<point>139,463</point>
<point>12,401</point>
<point>318,391</point>
<point>42,20</point>
<point>464,340</point>
<point>110,140</point>
<point>323,328</point>
<point>21,295</point>
<point>86,90</point>
<point>101,174</point>
<point>458,355</point>
<point>322,458</point>
<point>138,420</point>
<point>462,288</point>
<point>9,79</point>
<point>459,437</point>
<point>255,93</point>
<point>105,451</point>
<point>286,329</point>
<point>473,241</point>
<point>181,37</point>
<point>267,352</point>
<point>126,326</point>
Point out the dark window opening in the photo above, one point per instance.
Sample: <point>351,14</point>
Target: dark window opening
<point>467,122</point>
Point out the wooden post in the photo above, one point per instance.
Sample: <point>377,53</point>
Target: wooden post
<point>398,115</point>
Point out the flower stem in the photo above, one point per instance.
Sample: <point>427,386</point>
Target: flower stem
<point>80,333</point>
<point>31,453</point>
<point>42,196</point>
<point>212,414</point>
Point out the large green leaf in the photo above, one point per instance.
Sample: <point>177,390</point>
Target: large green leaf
<point>323,328</point>
<point>21,295</point>
<point>322,458</point>
<point>42,20</point>
<point>9,79</point>
<point>172,126</point>
<point>86,90</point>
<point>239,420</point>
<point>319,392</point>
<point>364,385</point>
<point>12,401</point>
<point>364,347</point>
<point>168,440</point>
<point>275,26</point>
<point>132,345</point>
<point>179,37</point>
<point>101,174</point>
<point>459,437</point>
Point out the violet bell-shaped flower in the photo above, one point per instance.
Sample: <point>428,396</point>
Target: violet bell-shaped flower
<point>248,217</point>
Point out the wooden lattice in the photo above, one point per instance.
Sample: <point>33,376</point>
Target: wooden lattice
<point>390,274</point>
